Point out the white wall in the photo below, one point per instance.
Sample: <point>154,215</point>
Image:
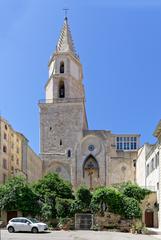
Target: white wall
<point>49,90</point>
<point>153,177</point>
<point>74,70</point>
<point>140,167</point>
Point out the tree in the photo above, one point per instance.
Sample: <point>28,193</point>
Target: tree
<point>106,199</point>
<point>82,201</point>
<point>112,200</point>
<point>16,194</point>
<point>130,208</point>
<point>84,196</point>
<point>133,191</point>
<point>48,189</point>
<point>63,207</point>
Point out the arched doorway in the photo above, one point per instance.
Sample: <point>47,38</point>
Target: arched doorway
<point>62,67</point>
<point>91,171</point>
<point>61,89</point>
<point>149,218</point>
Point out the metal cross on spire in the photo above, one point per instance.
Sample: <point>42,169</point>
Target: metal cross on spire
<point>65,12</point>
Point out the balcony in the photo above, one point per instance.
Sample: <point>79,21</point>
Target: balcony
<point>60,100</point>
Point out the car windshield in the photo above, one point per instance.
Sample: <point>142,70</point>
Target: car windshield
<point>33,220</point>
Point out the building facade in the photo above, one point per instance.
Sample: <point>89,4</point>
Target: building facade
<point>148,172</point>
<point>68,147</point>
<point>16,155</point>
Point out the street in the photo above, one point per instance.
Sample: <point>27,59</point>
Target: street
<point>75,235</point>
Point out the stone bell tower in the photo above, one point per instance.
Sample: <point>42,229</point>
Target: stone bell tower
<point>62,113</point>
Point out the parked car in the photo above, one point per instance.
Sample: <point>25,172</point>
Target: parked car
<point>21,224</point>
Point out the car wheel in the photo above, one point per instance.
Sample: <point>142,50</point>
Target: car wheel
<point>11,229</point>
<point>34,230</point>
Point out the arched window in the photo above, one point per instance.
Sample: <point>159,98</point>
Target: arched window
<point>62,67</point>
<point>91,165</point>
<point>61,89</point>
<point>69,153</point>
<point>4,149</point>
<point>61,142</point>
<point>91,171</point>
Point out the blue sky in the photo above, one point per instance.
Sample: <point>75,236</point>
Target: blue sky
<point>119,43</point>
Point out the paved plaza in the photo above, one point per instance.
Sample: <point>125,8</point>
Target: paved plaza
<point>75,235</point>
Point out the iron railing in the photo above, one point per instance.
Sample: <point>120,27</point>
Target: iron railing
<point>60,100</point>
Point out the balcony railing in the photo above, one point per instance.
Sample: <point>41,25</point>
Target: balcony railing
<point>60,100</point>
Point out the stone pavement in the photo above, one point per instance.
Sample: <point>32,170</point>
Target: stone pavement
<point>75,235</point>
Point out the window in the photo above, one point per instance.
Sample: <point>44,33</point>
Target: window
<point>126,143</point>
<point>134,162</point>
<point>62,67</point>
<point>91,147</point>
<point>61,142</point>
<point>12,169</point>
<point>157,159</point>
<point>61,89</point>
<point>6,127</point>
<point>69,153</point>
<point>23,220</point>
<point>16,220</point>
<point>152,164</point>
<point>17,150</point>
<point>147,170</point>
<point>157,185</point>
<point>4,163</point>
<point>4,149</point>
<point>5,136</point>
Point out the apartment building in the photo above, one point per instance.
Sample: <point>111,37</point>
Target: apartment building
<point>16,157</point>
<point>148,174</point>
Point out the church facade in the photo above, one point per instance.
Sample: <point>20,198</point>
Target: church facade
<point>68,147</point>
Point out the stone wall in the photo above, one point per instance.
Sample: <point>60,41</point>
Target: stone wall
<point>112,221</point>
<point>150,204</point>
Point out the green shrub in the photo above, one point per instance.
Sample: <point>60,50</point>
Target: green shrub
<point>133,191</point>
<point>63,207</point>
<point>110,199</point>
<point>130,208</point>
<point>17,194</point>
<point>84,196</point>
<point>106,199</point>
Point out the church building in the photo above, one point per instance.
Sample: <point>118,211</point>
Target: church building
<point>68,147</point>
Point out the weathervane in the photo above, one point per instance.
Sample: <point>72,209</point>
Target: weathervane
<point>66,11</point>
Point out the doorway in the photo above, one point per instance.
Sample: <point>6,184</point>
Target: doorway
<point>149,218</point>
<point>11,214</point>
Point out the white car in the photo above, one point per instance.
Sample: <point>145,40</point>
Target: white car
<point>21,224</point>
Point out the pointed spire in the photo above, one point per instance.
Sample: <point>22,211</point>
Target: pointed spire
<point>65,42</point>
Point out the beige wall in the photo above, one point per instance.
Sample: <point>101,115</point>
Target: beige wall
<point>148,204</point>
<point>19,159</point>
<point>34,166</point>
<point>114,166</point>
<point>11,159</point>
